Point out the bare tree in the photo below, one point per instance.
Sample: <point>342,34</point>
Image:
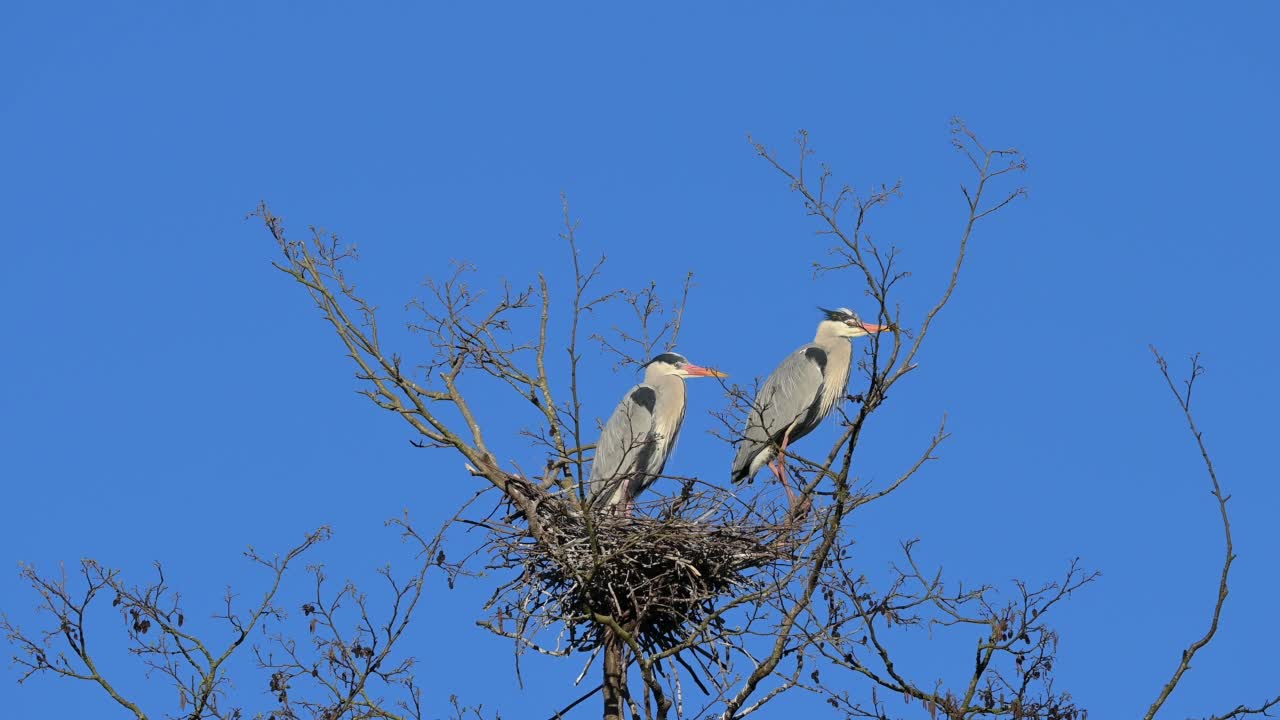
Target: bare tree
<point>707,602</point>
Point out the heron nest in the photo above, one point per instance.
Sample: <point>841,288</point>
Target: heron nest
<point>657,572</point>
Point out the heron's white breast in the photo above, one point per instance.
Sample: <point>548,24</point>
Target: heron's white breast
<point>668,411</point>
<point>836,376</point>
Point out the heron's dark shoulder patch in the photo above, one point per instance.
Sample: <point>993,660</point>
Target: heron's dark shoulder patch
<point>645,397</point>
<point>817,356</point>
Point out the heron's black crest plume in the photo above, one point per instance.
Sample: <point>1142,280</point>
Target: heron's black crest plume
<point>839,314</point>
<point>670,358</point>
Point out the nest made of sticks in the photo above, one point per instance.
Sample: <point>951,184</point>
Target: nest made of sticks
<point>657,572</point>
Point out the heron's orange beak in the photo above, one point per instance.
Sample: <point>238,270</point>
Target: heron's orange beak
<point>872,328</point>
<point>698,371</point>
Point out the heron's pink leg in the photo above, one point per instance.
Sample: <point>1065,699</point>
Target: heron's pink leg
<point>791,496</point>
<point>796,509</point>
<point>628,502</point>
<point>781,470</point>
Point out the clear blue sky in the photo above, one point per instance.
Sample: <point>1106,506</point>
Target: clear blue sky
<point>168,396</point>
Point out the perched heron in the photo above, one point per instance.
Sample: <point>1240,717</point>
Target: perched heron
<point>798,395</point>
<point>640,434</point>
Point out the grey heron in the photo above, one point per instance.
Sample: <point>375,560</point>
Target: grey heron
<point>635,443</point>
<point>799,394</point>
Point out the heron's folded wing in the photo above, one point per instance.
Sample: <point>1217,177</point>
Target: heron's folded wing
<point>622,443</point>
<point>790,392</point>
<point>788,395</point>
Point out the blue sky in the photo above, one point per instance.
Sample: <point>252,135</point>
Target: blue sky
<point>168,396</point>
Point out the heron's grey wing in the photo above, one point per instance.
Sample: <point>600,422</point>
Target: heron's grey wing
<point>789,394</point>
<point>623,445</point>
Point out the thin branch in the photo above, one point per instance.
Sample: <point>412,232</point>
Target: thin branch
<point>1183,399</point>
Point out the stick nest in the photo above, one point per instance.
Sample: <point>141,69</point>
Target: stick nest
<point>657,572</point>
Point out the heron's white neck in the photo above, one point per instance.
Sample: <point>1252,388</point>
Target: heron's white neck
<point>666,383</point>
<point>839,352</point>
<point>656,372</point>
